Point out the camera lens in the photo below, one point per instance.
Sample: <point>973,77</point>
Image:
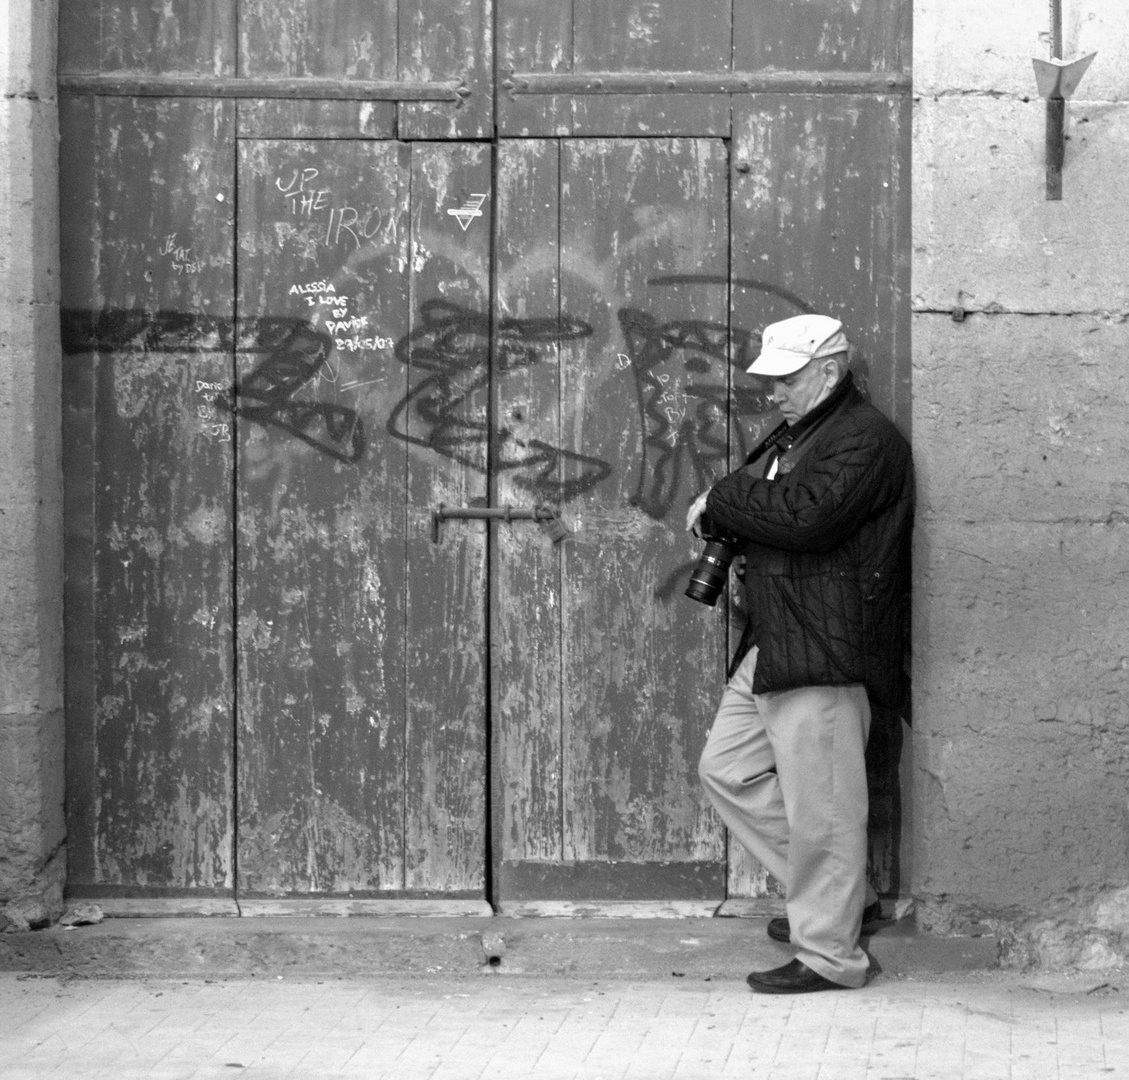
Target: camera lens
<point>708,578</point>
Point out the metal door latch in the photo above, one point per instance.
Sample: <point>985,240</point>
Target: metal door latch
<point>545,516</point>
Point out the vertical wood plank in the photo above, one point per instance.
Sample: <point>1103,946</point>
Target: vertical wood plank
<point>642,663</point>
<point>443,421</point>
<point>322,301</point>
<point>820,218</point>
<point>78,202</point>
<point>525,585</point>
<point>448,39</point>
<point>160,36</point>
<point>147,323</point>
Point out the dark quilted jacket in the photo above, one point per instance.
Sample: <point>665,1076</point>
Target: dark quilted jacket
<point>827,552</point>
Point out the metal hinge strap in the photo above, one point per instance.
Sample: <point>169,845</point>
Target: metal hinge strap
<point>197,86</point>
<point>703,82</point>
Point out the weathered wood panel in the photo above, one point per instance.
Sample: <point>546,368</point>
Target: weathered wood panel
<point>448,39</point>
<point>316,120</point>
<point>652,114</point>
<point>342,39</point>
<point>526,585</point>
<point>822,35</point>
<point>323,232</point>
<point>652,35</point>
<point>820,219</point>
<point>147,318</point>
<point>643,241</point>
<point>591,35</point>
<point>196,36</point>
<point>443,421</point>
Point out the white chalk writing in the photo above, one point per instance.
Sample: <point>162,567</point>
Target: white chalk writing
<point>348,219</point>
<point>299,191</point>
<point>206,412</point>
<point>363,344</point>
<point>305,196</point>
<point>180,256</point>
<point>351,333</point>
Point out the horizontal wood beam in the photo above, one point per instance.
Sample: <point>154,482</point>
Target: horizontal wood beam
<point>703,82</point>
<point>112,84</point>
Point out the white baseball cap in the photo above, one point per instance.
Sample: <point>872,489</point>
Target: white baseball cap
<point>788,345</point>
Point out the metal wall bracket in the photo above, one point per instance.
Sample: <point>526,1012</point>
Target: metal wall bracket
<point>545,516</point>
<point>1057,79</point>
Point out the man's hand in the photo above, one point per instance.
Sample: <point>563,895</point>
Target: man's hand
<point>697,509</point>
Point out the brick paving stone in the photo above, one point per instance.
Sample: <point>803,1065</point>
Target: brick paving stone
<point>515,1028</point>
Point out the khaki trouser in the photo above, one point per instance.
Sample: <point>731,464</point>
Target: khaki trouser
<point>787,773</point>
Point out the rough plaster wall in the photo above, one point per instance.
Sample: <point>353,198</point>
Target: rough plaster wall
<point>1021,437</point>
<point>31,715</point>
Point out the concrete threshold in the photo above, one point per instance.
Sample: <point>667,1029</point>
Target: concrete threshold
<point>357,947</point>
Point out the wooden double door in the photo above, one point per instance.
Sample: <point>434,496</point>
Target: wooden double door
<point>310,650</point>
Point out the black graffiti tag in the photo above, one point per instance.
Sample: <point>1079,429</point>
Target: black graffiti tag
<point>444,411</point>
<point>683,393</point>
<point>296,353</point>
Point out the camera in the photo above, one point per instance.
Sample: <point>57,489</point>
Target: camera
<point>708,578</point>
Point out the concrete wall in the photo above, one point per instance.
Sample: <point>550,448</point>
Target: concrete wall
<point>1021,436</point>
<point>32,864</point>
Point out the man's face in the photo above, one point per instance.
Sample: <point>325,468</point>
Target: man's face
<point>797,394</point>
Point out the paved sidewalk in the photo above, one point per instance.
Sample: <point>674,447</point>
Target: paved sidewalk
<point>994,1026</point>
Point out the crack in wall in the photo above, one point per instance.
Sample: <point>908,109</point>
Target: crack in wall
<point>960,312</point>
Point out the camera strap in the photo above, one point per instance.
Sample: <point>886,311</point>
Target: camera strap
<point>783,437</point>
<point>773,440</point>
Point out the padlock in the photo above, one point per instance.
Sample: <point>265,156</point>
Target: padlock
<point>552,526</point>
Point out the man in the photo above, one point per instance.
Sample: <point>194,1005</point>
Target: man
<point>821,512</point>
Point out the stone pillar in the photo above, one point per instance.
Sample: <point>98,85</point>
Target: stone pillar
<point>32,860</point>
<point>1021,437</point>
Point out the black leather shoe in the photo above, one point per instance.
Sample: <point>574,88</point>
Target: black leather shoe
<point>779,930</point>
<point>793,978</point>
